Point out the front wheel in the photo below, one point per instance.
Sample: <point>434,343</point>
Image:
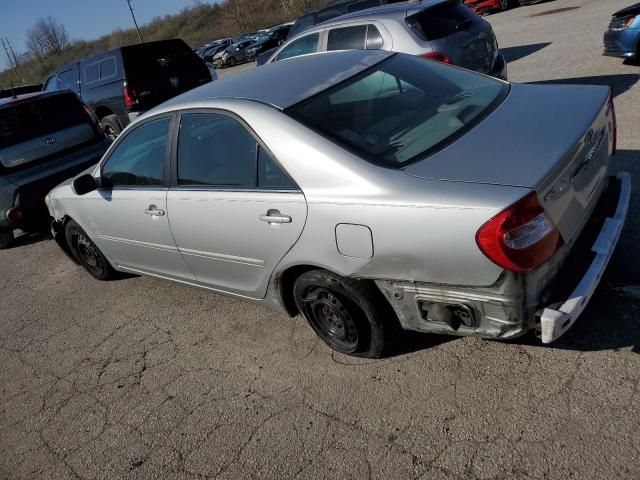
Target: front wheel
<point>87,253</point>
<point>349,315</point>
<point>231,62</point>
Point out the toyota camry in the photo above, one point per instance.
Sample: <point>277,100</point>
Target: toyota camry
<point>366,191</point>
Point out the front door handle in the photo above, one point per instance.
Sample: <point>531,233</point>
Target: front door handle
<point>274,216</point>
<point>153,210</point>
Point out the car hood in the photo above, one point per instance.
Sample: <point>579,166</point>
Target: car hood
<point>633,9</point>
<point>522,140</point>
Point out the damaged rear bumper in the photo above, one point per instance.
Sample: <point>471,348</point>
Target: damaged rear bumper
<point>556,320</point>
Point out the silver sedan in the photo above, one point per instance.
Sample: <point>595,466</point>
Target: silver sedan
<point>367,191</point>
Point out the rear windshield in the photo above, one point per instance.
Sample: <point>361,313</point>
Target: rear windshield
<point>160,59</point>
<point>27,120</point>
<point>401,110</point>
<point>441,21</point>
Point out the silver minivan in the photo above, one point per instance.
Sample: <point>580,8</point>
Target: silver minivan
<point>443,30</point>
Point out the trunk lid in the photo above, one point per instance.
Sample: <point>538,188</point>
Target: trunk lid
<point>556,139</point>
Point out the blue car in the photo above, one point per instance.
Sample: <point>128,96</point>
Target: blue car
<point>622,39</point>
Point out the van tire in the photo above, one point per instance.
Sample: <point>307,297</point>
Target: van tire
<point>6,238</point>
<point>110,126</point>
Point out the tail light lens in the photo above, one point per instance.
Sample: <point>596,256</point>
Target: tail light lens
<point>614,140</point>
<point>437,56</point>
<point>130,96</point>
<point>520,238</point>
<point>15,215</point>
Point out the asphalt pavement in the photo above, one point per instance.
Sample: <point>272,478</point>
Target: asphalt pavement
<point>142,378</point>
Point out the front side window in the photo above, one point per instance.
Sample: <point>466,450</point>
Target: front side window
<point>401,109</point>
<point>67,80</point>
<point>301,46</point>
<point>217,150</point>
<point>138,160</point>
<point>52,84</point>
<point>347,38</point>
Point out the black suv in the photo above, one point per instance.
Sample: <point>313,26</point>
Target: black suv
<point>268,40</point>
<point>45,138</point>
<point>332,10</point>
<point>122,83</point>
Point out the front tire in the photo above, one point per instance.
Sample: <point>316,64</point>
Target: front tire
<point>349,315</point>
<point>231,62</point>
<point>87,253</point>
<point>6,238</point>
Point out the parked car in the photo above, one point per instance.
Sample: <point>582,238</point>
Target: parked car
<point>268,40</point>
<point>208,51</point>
<point>438,30</point>
<point>622,39</point>
<point>122,83</point>
<point>233,55</point>
<point>487,6</point>
<point>332,10</point>
<point>45,138</point>
<point>368,192</point>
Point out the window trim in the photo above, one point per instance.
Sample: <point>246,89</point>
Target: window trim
<point>167,153</point>
<point>173,182</point>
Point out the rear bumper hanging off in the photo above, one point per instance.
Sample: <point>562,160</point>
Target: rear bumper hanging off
<point>554,322</point>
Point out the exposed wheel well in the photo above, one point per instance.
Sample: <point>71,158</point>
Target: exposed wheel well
<point>286,286</point>
<point>102,112</point>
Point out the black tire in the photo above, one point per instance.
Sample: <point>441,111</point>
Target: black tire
<point>87,253</point>
<point>231,61</point>
<point>349,315</point>
<point>111,126</point>
<point>6,238</point>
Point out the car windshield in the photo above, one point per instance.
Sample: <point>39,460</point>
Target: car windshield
<point>401,110</point>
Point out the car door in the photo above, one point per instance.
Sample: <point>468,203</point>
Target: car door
<point>128,214</point>
<point>233,211</point>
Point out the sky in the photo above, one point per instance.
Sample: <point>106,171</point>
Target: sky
<point>84,19</point>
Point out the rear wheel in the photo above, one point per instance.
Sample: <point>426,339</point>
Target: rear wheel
<point>351,316</point>
<point>6,238</point>
<point>111,126</point>
<point>87,253</point>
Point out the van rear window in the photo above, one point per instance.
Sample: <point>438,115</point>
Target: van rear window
<point>26,120</point>
<point>441,20</point>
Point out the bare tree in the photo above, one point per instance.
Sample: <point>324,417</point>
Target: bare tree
<point>46,37</point>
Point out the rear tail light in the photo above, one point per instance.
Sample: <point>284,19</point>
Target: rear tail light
<point>520,238</point>
<point>614,133</point>
<point>15,215</point>
<point>130,96</point>
<point>437,56</point>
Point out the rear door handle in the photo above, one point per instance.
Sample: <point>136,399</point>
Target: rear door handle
<point>153,210</point>
<point>274,216</point>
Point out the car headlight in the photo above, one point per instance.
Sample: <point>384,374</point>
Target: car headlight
<point>46,199</point>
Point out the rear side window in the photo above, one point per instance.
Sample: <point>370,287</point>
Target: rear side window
<point>217,150</point>
<point>301,46</point>
<point>441,21</point>
<point>138,160</point>
<point>347,38</point>
<point>33,119</point>
<point>108,68</point>
<point>92,72</point>
<point>374,39</point>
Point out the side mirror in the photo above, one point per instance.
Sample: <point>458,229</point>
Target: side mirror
<point>238,49</point>
<point>84,184</point>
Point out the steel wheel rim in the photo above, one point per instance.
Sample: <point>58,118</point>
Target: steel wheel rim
<point>88,253</point>
<point>331,317</point>
<point>110,132</point>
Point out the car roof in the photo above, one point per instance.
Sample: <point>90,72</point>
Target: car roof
<point>287,82</point>
<point>4,102</point>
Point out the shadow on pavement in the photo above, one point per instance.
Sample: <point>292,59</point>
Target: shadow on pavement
<point>618,83</point>
<point>511,54</point>
<point>24,239</point>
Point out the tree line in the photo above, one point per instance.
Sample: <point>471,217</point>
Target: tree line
<point>49,45</point>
